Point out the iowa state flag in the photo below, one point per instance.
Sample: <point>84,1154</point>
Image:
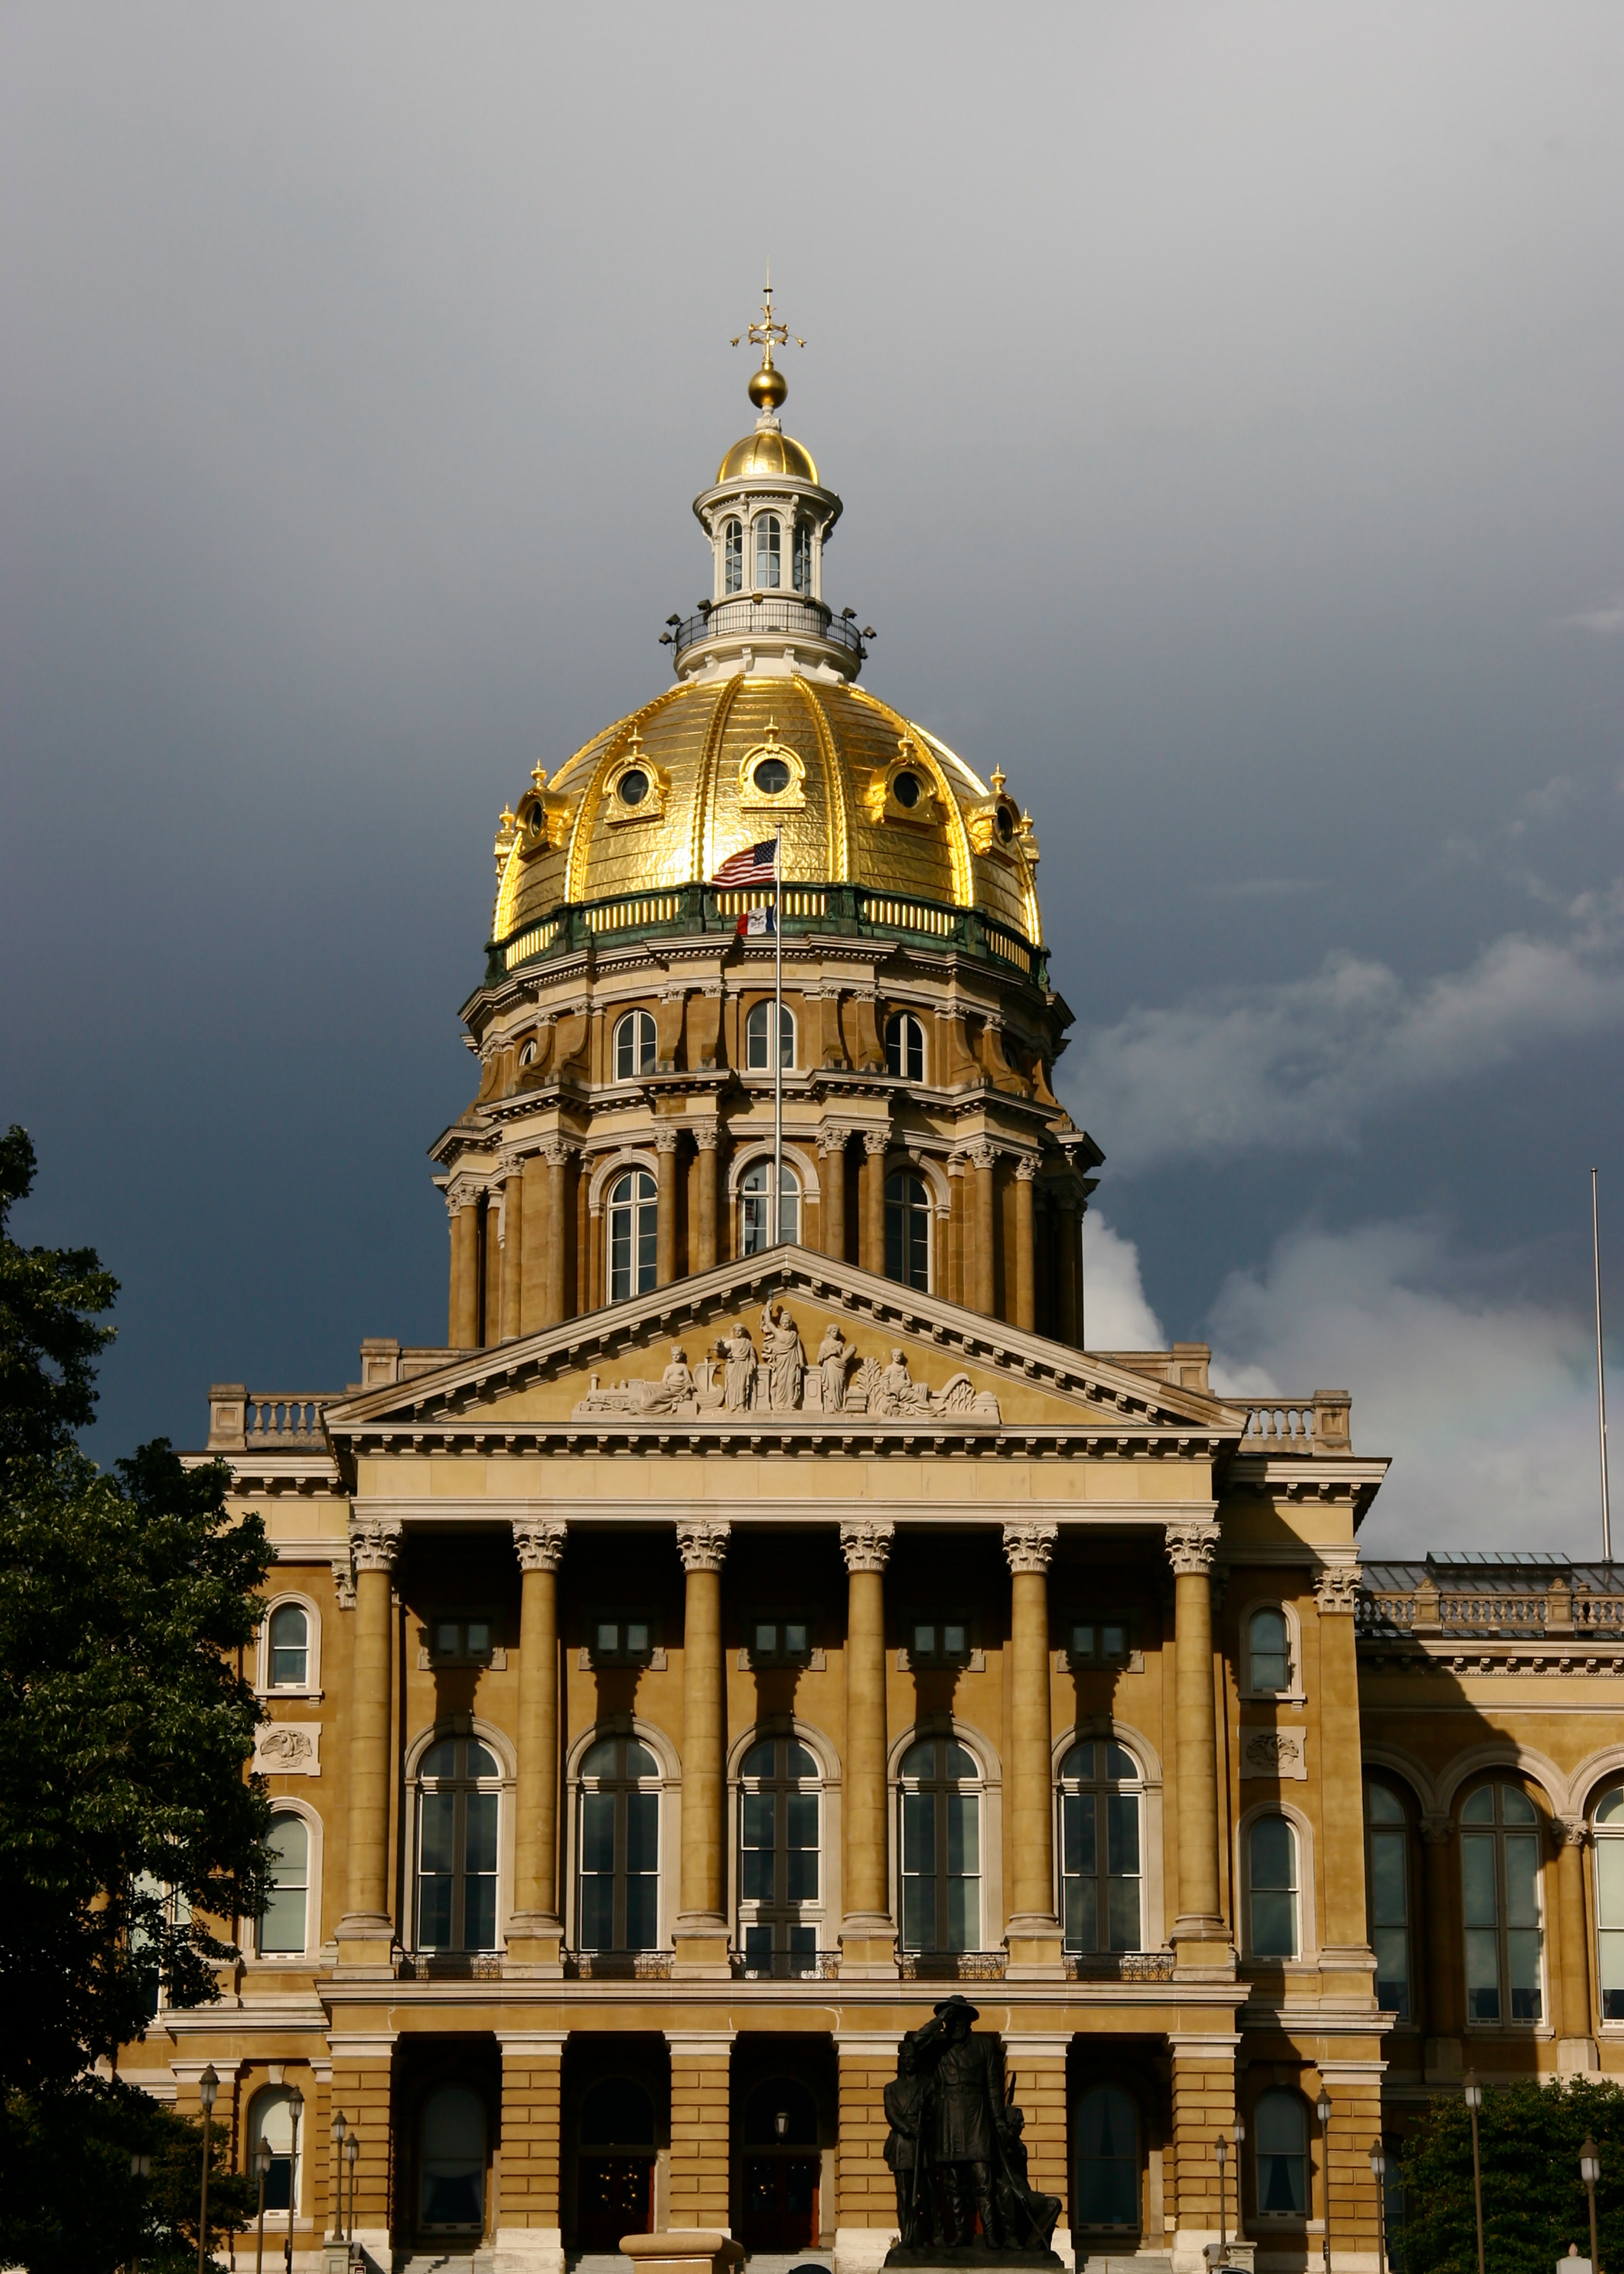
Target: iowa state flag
<point>753,923</point>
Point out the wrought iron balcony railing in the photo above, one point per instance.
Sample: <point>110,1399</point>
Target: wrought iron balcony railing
<point>788,1966</point>
<point>759,616</point>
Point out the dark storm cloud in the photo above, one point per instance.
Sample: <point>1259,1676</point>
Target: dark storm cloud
<point>1225,405</point>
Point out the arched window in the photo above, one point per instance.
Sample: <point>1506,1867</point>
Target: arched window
<point>1107,2159</point>
<point>781,2167</point>
<point>940,1846</point>
<point>904,1046</point>
<point>1609,1824</point>
<point>758,1042</point>
<point>1099,1848</point>
<point>451,2139</point>
<point>458,1806</point>
<point>1268,1650</point>
<point>634,1235</point>
<point>801,558</point>
<point>1280,2129</point>
<point>780,1886</point>
<point>270,2118</point>
<point>618,1876</point>
<point>1499,1904</point>
<point>1387,1877</point>
<point>1271,1871</point>
<point>281,1928</point>
<point>768,544</point>
<point>733,556</point>
<point>634,1046</point>
<point>290,1644</point>
<point>614,2193</point>
<point>908,1230</point>
<point>756,1207</point>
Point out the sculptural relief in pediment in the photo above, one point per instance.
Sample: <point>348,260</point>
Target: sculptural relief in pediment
<point>736,1375</point>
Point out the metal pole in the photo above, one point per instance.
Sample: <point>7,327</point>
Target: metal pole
<point>1322,2109</point>
<point>1601,1378</point>
<point>296,2103</point>
<point>778,1029</point>
<point>1221,2149</point>
<point>262,2160</point>
<point>1594,2258</point>
<point>208,2124</point>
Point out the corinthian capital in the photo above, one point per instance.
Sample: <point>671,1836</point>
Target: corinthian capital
<point>1028,1547</point>
<point>866,1546</point>
<point>1190,1548</point>
<point>374,1542</point>
<point>703,1545</point>
<point>1336,1589</point>
<point>538,1542</point>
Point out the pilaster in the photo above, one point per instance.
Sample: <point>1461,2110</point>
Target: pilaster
<point>528,2240</point>
<point>700,2141</point>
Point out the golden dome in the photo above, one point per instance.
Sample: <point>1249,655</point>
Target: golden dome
<point>767,451</point>
<point>860,794</point>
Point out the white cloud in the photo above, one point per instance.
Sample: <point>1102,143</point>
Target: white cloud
<point>1607,621</point>
<point>1300,1064</point>
<point>1117,1314</point>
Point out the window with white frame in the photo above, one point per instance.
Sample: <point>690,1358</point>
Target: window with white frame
<point>756,1207</point>
<point>632,1234</point>
<point>1500,1904</point>
<point>618,1851</point>
<point>940,1800</point>
<point>780,1886</point>
<point>1101,1866</point>
<point>1280,2143</point>
<point>459,1805</point>
<point>904,1046</point>
<point>758,1037</point>
<point>1608,1824</point>
<point>1386,1880</point>
<point>908,1230</point>
<point>635,1046</point>
<point>270,2119</point>
<point>801,558</point>
<point>733,556</point>
<point>1269,1651</point>
<point>282,1926</point>
<point>1272,1887</point>
<point>769,546</point>
<point>288,1651</point>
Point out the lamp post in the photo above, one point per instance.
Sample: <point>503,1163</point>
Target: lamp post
<point>1590,2172</point>
<point>296,2109</point>
<point>780,2124</point>
<point>338,2129</point>
<point>1221,2149</point>
<point>208,2085</point>
<point>1240,2218</point>
<point>1322,2109</point>
<point>352,2148</point>
<point>1472,2093</point>
<point>262,2165</point>
<point>1379,2172</point>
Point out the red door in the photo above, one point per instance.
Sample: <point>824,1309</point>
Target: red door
<point>614,2197</point>
<point>780,2202</point>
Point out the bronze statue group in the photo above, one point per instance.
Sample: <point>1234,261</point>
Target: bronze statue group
<point>955,2147</point>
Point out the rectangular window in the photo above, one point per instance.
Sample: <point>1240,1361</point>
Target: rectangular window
<point>942,1642</point>
<point>1096,1642</point>
<point>1610,1926</point>
<point>964,1865</point>
<point>801,1847</point>
<point>622,1642</point>
<point>1388,1922</point>
<point>1081,1871</point>
<point>436,1870</point>
<point>641,1870</point>
<point>919,1871</point>
<point>598,1871</point>
<point>462,1640</point>
<point>1482,1923</point>
<point>1122,1852</point>
<point>1522,1925</point>
<point>785,1640</point>
<point>755,1848</point>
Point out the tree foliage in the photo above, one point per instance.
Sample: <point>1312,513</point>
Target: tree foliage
<point>49,1298</point>
<point>1534,2201</point>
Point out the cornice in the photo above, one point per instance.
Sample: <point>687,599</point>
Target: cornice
<point>826,1511</point>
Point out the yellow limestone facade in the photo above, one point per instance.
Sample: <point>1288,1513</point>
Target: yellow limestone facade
<point>722,1648</point>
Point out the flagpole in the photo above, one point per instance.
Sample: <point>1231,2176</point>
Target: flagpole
<point>1601,1379</point>
<point>777,1029</point>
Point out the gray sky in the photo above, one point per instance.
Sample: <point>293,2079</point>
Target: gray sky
<point>1226,405</point>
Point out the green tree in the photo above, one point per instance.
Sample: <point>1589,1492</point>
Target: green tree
<point>1533,2199</point>
<point>132,1836</point>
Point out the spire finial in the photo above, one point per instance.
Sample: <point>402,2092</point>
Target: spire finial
<point>768,387</point>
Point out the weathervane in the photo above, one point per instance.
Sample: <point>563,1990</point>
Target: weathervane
<point>768,387</point>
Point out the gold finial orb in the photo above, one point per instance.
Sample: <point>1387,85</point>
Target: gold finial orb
<point>768,387</point>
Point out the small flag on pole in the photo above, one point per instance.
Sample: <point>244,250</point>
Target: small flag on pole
<point>755,923</point>
<point>753,866</point>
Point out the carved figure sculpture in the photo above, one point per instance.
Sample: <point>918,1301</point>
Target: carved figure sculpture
<point>739,1379</point>
<point>898,1392</point>
<point>784,1360</point>
<point>834,1355</point>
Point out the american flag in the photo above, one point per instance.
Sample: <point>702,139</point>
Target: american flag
<point>753,866</point>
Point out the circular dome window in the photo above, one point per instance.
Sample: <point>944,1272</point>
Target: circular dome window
<point>633,787</point>
<point>1006,826</point>
<point>534,819</point>
<point>771,777</point>
<point>906,790</point>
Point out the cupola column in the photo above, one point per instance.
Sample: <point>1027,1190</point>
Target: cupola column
<point>867,1933</point>
<point>983,1160</point>
<point>364,1932</point>
<point>1026,1280</point>
<point>465,1274</point>
<point>513,1251</point>
<point>706,1137</point>
<point>1067,1326</point>
<point>1199,1935</point>
<point>876,1144</point>
<point>556,1242</point>
<point>701,1935</point>
<point>832,1147</point>
<point>1034,1931</point>
<point>666,1162</point>
<point>534,1933</point>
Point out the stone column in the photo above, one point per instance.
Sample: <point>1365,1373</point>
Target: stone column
<point>956,1187</point>
<point>528,2240</point>
<point>465,1327</point>
<point>540,1232</point>
<point>513,1253</point>
<point>1345,1935</point>
<point>1439,1969</point>
<point>665,1164</point>
<point>707,1136</point>
<point>365,1931</point>
<point>871,1255</point>
<point>1026,1272</point>
<point>362,2063</point>
<point>832,1147</point>
<point>867,1932</point>
<point>1203,2078</point>
<point>1198,1933</point>
<point>1577,2048</point>
<point>983,1160</point>
<point>490,1229</point>
<point>535,1935</point>
<point>865,2193</point>
<point>453,1301</point>
<point>1068,1328</point>
<point>702,1927</point>
<point>1037,2064</point>
<point>1033,1930</point>
<point>558,1155</point>
<point>700,2145</point>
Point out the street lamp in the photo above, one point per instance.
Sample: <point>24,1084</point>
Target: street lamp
<point>780,2124</point>
<point>1472,2093</point>
<point>296,2109</point>
<point>1240,2221</point>
<point>1220,2148</point>
<point>208,2085</point>
<point>1379,2172</point>
<point>352,2148</point>
<point>338,2129</point>
<point>262,2165</point>
<point>1590,2172</point>
<point>1322,2109</point>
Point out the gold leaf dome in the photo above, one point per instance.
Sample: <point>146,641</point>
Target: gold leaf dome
<point>767,451</point>
<point>860,794</point>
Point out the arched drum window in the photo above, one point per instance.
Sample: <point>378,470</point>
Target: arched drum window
<point>758,1038</point>
<point>769,545</point>
<point>1100,1844</point>
<point>940,1846</point>
<point>1107,2159</point>
<point>635,1046</point>
<point>634,1235</point>
<point>733,556</point>
<point>908,1230</point>
<point>756,1207</point>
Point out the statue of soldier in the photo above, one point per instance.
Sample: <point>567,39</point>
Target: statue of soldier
<point>1029,2218</point>
<point>904,2113</point>
<point>965,2099</point>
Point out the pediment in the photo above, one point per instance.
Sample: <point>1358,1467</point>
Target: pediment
<point>783,1342</point>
